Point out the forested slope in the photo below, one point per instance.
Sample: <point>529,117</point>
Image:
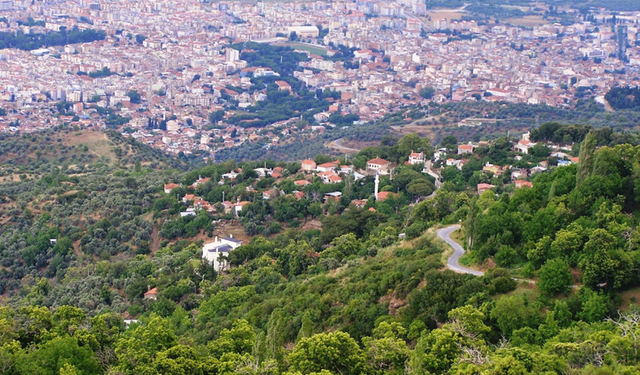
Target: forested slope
<point>333,289</point>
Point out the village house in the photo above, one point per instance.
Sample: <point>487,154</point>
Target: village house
<point>330,177</point>
<point>238,206</point>
<point>277,172</point>
<point>302,183</point>
<point>169,187</point>
<point>524,144</point>
<point>230,176</point>
<point>484,187</point>
<point>216,252</point>
<point>200,181</point>
<point>491,168</point>
<point>228,206</point>
<point>262,172</point>
<point>519,173</point>
<point>416,158</point>
<point>151,295</point>
<point>189,197</point>
<point>465,149</point>
<point>378,165</point>
<point>523,183</point>
<point>283,86</point>
<point>333,196</point>
<point>360,203</point>
<point>384,195</point>
<point>328,167</point>
<point>308,165</point>
<point>346,169</point>
<point>191,211</point>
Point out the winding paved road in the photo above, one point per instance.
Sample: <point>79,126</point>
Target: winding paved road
<point>453,264</point>
<point>338,144</point>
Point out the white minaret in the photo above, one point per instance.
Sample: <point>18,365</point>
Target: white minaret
<point>375,189</point>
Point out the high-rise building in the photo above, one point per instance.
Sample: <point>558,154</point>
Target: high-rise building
<point>232,55</point>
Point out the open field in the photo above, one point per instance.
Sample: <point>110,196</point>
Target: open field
<point>305,47</point>
<point>527,21</point>
<point>414,127</point>
<point>631,296</point>
<point>97,142</point>
<point>449,14</point>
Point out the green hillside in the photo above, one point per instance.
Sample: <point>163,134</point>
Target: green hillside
<point>320,285</point>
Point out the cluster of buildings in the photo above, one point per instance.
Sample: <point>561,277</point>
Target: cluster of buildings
<point>330,172</point>
<point>176,56</point>
<point>518,175</point>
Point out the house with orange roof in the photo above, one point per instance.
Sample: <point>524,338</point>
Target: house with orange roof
<point>283,86</point>
<point>523,183</point>
<point>360,203</point>
<point>491,168</point>
<point>378,165</point>
<point>328,167</point>
<point>416,158</point>
<point>484,187</point>
<point>302,183</point>
<point>170,186</point>
<point>152,294</point>
<point>308,165</point>
<point>238,206</point>
<point>524,146</point>
<point>189,197</point>
<point>384,195</point>
<point>465,149</point>
<point>200,181</point>
<point>330,177</point>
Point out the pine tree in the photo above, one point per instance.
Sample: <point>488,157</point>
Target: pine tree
<point>587,150</point>
<point>275,341</point>
<point>307,327</point>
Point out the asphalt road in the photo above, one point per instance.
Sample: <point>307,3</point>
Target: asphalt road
<point>453,261</point>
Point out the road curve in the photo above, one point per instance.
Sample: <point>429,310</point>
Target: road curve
<point>452,262</point>
<point>338,143</point>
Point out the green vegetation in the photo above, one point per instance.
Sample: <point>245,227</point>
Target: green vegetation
<point>104,72</point>
<point>31,22</point>
<point>319,286</point>
<point>63,37</point>
<point>304,47</point>
<point>279,105</point>
<point>282,60</point>
<point>624,97</point>
<point>573,218</point>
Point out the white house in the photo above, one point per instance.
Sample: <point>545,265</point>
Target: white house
<point>524,144</point>
<point>216,252</point>
<point>380,165</point>
<point>416,158</point>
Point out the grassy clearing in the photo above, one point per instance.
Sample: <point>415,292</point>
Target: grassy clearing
<point>631,296</point>
<point>97,142</point>
<point>448,14</point>
<point>527,21</point>
<point>311,49</point>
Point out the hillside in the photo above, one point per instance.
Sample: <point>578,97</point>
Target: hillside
<point>76,151</point>
<point>328,279</point>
